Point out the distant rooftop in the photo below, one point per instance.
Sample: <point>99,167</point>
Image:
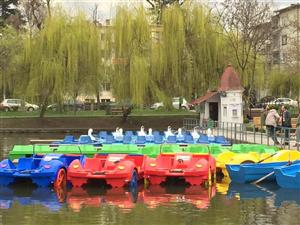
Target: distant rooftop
<point>291,7</point>
<point>230,80</point>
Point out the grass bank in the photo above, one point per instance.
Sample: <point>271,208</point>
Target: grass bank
<point>99,113</point>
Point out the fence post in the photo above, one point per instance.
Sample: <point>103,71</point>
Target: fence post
<point>261,137</point>
<point>235,133</point>
<point>254,134</point>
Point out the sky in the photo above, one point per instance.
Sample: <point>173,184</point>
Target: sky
<point>106,8</point>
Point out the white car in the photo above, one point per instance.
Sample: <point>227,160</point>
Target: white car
<point>16,104</point>
<point>284,101</point>
<point>175,103</point>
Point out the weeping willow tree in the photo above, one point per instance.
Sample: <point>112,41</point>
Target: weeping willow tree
<point>43,55</point>
<point>81,51</point>
<point>131,62</point>
<point>206,50</point>
<point>283,83</point>
<point>63,59</point>
<point>167,62</point>
<point>190,56</point>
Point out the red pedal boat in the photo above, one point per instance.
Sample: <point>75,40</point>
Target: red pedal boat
<point>117,170</point>
<point>157,195</point>
<point>194,168</point>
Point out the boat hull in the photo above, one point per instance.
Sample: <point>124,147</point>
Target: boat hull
<point>245,173</point>
<point>289,176</point>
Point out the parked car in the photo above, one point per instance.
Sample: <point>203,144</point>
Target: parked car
<point>264,101</point>
<point>284,101</point>
<point>67,106</point>
<point>17,104</point>
<point>175,102</point>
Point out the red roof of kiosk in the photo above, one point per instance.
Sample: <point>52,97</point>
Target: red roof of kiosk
<point>230,80</point>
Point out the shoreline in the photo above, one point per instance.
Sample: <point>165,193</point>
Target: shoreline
<point>82,124</point>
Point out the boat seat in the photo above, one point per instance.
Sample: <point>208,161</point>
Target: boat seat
<point>188,139</point>
<point>171,139</point>
<point>140,140</point>
<point>109,139</point>
<point>127,139</point>
<point>203,139</point>
<point>24,164</point>
<point>85,139</point>
<point>69,139</point>
<point>102,134</point>
<point>158,139</point>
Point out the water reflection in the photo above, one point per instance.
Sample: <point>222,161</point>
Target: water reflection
<point>266,190</point>
<point>124,199</point>
<point>199,196</point>
<point>23,195</point>
<point>77,198</point>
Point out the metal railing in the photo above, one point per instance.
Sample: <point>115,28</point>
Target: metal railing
<point>246,133</point>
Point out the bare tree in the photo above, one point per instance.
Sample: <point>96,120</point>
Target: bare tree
<point>157,7</point>
<point>246,25</point>
<point>34,12</point>
<point>95,14</point>
<point>48,3</point>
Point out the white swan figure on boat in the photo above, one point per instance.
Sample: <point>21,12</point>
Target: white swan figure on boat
<point>90,134</point>
<point>169,132</point>
<point>195,134</point>
<point>142,132</point>
<point>210,135</point>
<point>116,132</point>
<point>180,136</point>
<point>149,136</point>
<point>119,134</point>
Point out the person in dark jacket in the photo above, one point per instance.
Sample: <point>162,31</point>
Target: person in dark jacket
<point>286,123</point>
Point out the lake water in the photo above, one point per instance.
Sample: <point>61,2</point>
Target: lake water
<point>224,203</point>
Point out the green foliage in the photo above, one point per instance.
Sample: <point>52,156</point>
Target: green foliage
<point>284,84</point>
<point>64,58</point>
<point>10,59</point>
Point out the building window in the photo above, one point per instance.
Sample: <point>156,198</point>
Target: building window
<point>225,111</point>
<point>234,113</point>
<point>106,86</point>
<point>284,39</point>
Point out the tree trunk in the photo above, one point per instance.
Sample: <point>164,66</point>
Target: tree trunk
<point>98,100</point>
<point>48,7</point>
<point>44,107</point>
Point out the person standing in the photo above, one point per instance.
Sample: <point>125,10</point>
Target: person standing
<point>298,131</point>
<point>286,123</point>
<point>271,123</point>
<point>264,116</point>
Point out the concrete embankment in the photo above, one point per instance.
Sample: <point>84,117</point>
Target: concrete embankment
<point>80,124</point>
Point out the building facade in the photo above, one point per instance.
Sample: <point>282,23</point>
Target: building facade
<point>226,103</point>
<point>283,48</point>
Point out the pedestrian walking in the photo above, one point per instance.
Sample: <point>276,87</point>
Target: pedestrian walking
<point>271,123</point>
<point>286,123</point>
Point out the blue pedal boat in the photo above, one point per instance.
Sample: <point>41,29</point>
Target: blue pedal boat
<point>288,176</point>
<point>245,173</point>
<point>42,170</point>
<point>44,196</point>
<point>83,140</point>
